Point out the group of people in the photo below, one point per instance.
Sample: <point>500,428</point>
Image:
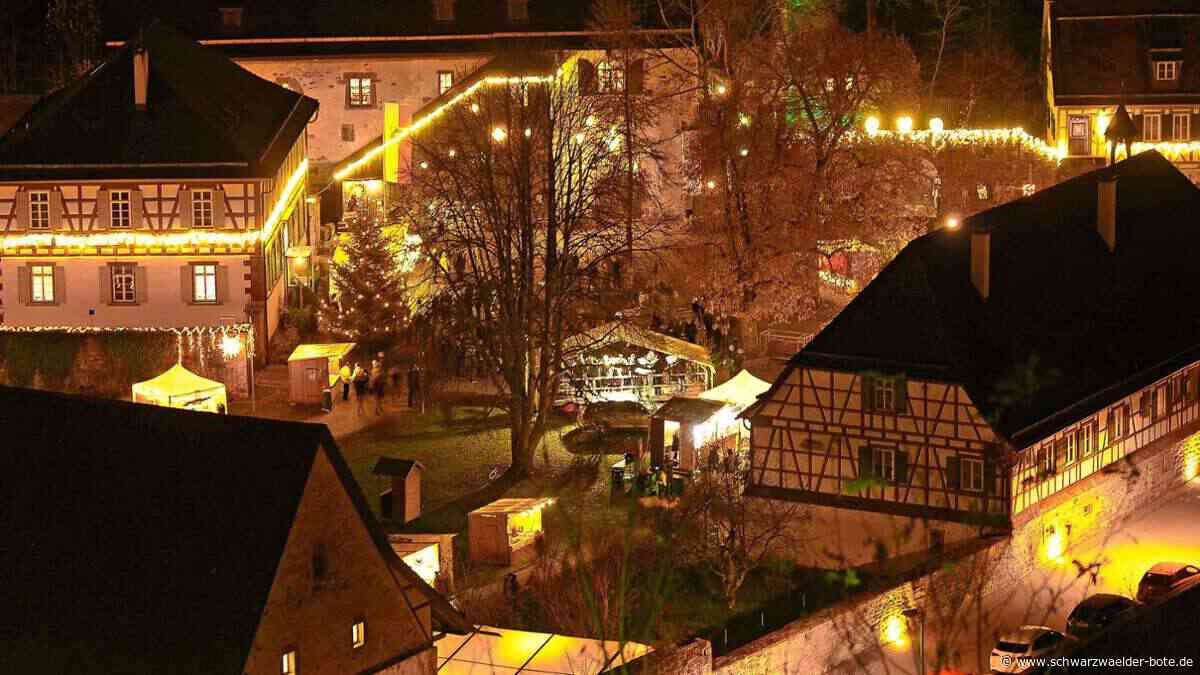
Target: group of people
<point>376,381</point>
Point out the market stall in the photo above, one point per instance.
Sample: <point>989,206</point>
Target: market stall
<point>505,531</point>
<point>314,368</point>
<point>178,387</point>
<point>622,362</point>
<point>684,425</point>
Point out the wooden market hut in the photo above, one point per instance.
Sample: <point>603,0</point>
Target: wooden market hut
<point>622,362</point>
<point>313,368</point>
<point>401,501</point>
<point>685,424</point>
<point>505,531</point>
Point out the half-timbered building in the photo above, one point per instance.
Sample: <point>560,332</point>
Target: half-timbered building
<point>162,189</point>
<point>989,372</point>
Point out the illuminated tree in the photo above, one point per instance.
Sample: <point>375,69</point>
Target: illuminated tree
<point>369,303</point>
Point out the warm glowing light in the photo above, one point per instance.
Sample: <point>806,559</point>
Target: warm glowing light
<point>579,137</point>
<point>1055,547</point>
<point>528,132</point>
<point>904,124</point>
<point>872,125</point>
<point>952,223</point>
<point>293,185</point>
<point>424,165</point>
<point>475,107</point>
<point>936,124</point>
<point>499,134</point>
<point>1102,123</point>
<point>452,152</point>
<point>743,119</point>
<point>722,89</point>
<point>894,630</point>
<point>231,346</point>
<point>310,200</point>
<point>711,184</point>
<point>374,186</point>
<point>132,240</point>
<point>590,121</point>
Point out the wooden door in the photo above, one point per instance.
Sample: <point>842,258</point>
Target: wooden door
<point>1079,135</point>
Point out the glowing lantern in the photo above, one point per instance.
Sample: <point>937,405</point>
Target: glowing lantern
<point>424,165</point>
<point>904,124</point>
<point>452,153</point>
<point>722,89</point>
<point>499,134</point>
<point>936,124</point>
<point>711,184</point>
<point>231,346</point>
<point>744,151</point>
<point>872,125</point>
<point>743,119</point>
<point>952,223</point>
<point>894,630</point>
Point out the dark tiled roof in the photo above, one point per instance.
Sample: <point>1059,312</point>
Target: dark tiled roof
<point>1085,323</point>
<point>141,539</point>
<point>1111,56</point>
<point>205,116</point>
<point>391,466</point>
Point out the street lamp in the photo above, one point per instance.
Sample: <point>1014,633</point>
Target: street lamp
<point>916,613</point>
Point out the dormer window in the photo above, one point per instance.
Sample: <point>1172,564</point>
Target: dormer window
<point>443,10</point>
<point>518,11</point>
<point>1166,71</point>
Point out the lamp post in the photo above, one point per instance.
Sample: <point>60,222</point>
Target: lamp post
<point>916,613</point>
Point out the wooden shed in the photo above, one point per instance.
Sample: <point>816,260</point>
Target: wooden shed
<point>402,501</point>
<point>313,368</point>
<point>505,531</point>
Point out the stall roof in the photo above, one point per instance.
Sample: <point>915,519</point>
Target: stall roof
<point>391,466</point>
<point>335,350</point>
<point>177,381</point>
<point>740,391</point>
<point>688,409</point>
<point>641,337</point>
<point>502,651</point>
<point>515,505</point>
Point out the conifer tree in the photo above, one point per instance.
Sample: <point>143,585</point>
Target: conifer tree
<point>368,301</point>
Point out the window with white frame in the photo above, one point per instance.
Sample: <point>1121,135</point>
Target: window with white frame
<point>883,463</point>
<point>1072,452</point>
<point>1181,126</point>
<point>1118,417</point>
<point>39,210</point>
<point>1086,439</point>
<point>445,81</point>
<point>202,208</point>
<point>972,474</point>
<point>443,10</point>
<point>124,283</point>
<point>288,665</point>
<point>884,394</point>
<point>204,282</point>
<point>118,208</point>
<point>360,92</point>
<point>610,77</point>
<point>358,633</point>
<point>1152,127</point>
<point>518,10</point>
<point>41,284</point>
<point>1166,71</point>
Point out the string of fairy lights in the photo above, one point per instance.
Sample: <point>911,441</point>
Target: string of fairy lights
<point>230,340</point>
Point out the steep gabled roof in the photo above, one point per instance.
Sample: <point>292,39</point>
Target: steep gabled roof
<point>205,116</point>
<point>1102,48</point>
<point>1068,323</point>
<point>141,539</point>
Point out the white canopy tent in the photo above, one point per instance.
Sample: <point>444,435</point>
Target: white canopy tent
<point>496,651</point>
<point>740,391</point>
<point>179,387</point>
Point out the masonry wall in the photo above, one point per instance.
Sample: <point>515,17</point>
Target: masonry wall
<point>314,614</point>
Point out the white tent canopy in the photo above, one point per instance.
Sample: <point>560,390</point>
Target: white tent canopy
<point>740,391</point>
<point>179,387</point>
<point>503,651</point>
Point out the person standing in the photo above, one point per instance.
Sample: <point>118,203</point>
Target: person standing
<point>378,382</point>
<point>345,375</point>
<point>360,379</point>
<point>394,379</point>
<point>414,384</point>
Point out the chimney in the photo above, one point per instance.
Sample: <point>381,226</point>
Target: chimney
<point>981,254</point>
<point>141,77</point>
<point>1106,208</point>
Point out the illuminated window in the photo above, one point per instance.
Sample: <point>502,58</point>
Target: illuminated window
<point>1045,459</point>
<point>202,208</point>
<point>883,463</point>
<point>124,280</point>
<point>358,634</point>
<point>288,665</point>
<point>972,474</point>
<point>1152,127</point>
<point>1118,417</point>
<point>1166,70</point>
<point>610,77</point>
<point>1085,439</point>
<point>1181,126</point>
<point>518,10</point>
<point>39,210</point>
<point>443,10</point>
<point>445,81</point>
<point>204,282</point>
<point>360,92</point>
<point>41,288</point>
<point>118,208</point>
<point>1072,448</point>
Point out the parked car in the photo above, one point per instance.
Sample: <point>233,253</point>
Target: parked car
<point>1098,612</point>
<point>1166,578</point>
<point>1027,642</point>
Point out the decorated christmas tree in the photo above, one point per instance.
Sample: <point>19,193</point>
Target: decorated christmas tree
<point>368,300</point>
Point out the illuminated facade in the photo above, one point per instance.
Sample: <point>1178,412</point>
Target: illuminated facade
<point>992,373</point>
<point>1098,54</point>
<point>164,191</point>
